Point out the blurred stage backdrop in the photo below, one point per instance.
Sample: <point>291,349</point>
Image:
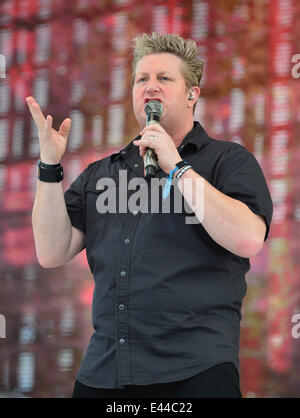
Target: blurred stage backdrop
<point>74,58</point>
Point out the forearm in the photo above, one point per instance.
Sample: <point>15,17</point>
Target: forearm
<point>228,221</point>
<point>52,228</point>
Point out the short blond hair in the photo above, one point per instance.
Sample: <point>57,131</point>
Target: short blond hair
<point>172,43</point>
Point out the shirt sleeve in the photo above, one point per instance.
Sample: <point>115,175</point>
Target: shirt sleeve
<point>242,178</point>
<point>74,199</point>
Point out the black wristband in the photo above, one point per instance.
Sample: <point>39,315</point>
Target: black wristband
<point>181,164</point>
<point>50,173</point>
<point>183,170</point>
<point>48,166</point>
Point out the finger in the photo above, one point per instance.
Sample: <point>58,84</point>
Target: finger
<point>142,142</point>
<point>47,127</point>
<point>143,145</point>
<point>152,128</point>
<point>36,112</point>
<point>142,151</point>
<point>65,128</point>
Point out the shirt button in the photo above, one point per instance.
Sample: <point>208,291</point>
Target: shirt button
<point>135,212</point>
<point>123,273</point>
<point>136,165</point>
<point>121,307</point>
<point>122,341</point>
<point>127,240</point>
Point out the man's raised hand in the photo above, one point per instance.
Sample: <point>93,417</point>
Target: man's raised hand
<point>52,143</point>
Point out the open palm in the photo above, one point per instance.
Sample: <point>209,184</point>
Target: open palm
<point>52,143</point>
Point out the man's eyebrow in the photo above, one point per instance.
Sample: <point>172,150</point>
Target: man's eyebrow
<point>160,73</point>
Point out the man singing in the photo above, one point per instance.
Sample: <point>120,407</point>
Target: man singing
<point>168,292</point>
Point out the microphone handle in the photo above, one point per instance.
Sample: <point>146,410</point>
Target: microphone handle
<point>150,158</point>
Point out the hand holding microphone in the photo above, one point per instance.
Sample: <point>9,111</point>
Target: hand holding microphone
<point>153,110</point>
<point>156,145</point>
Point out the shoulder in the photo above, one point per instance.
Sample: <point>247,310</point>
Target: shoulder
<point>219,146</point>
<point>226,152</point>
<point>229,146</point>
<point>229,151</point>
<point>92,171</point>
<point>98,167</point>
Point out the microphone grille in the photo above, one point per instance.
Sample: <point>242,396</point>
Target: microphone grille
<point>154,106</point>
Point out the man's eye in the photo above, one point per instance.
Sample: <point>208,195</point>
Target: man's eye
<point>141,79</point>
<point>164,78</point>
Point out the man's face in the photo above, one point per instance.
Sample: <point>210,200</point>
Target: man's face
<point>159,76</point>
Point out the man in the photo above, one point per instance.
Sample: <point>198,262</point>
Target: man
<point>168,293</point>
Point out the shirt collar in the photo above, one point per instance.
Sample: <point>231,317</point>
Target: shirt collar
<point>197,137</point>
<point>127,151</point>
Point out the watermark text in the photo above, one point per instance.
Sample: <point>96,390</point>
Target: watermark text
<point>296,328</point>
<point>147,196</point>
<point>2,326</point>
<point>2,66</point>
<point>296,67</point>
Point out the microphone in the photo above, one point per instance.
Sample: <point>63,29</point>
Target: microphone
<point>153,110</point>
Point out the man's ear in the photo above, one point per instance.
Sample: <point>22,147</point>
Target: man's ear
<point>191,95</point>
<point>194,93</point>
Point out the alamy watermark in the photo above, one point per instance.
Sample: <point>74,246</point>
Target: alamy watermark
<point>193,202</point>
<point>296,328</point>
<point>2,326</point>
<point>296,67</point>
<point>2,66</point>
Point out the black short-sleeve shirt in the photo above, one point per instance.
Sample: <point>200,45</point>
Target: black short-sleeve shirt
<point>167,298</point>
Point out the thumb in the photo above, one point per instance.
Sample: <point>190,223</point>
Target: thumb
<point>142,150</point>
<point>65,128</point>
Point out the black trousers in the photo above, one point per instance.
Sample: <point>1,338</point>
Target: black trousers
<point>220,381</point>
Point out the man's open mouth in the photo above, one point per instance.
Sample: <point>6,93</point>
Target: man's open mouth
<point>152,98</point>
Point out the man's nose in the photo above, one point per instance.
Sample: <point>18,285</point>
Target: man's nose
<point>152,86</point>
